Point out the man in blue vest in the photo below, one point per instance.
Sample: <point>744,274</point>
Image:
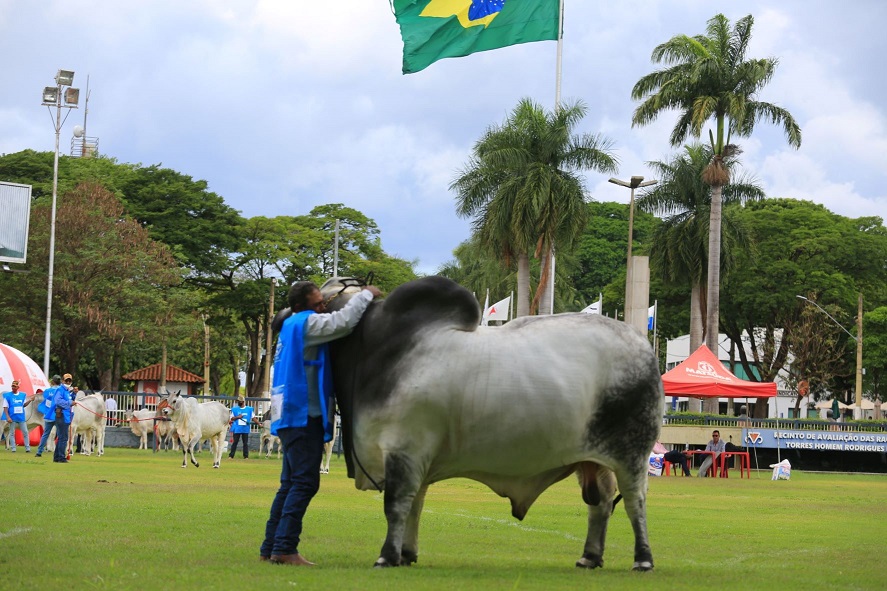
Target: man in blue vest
<point>301,404</point>
<point>48,410</point>
<point>64,412</point>
<point>14,414</point>
<point>241,417</point>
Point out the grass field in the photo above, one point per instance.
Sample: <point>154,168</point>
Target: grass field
<point>137,520</point>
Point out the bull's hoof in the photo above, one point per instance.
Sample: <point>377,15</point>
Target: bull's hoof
<point>408,559</point>
<point>590,563</point>
<point>382,563</point>
<point>642,566</point>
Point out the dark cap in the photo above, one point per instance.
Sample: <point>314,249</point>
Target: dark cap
<point>57,379</point>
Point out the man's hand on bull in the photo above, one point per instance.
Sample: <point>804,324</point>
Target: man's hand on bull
<point>377,293</point>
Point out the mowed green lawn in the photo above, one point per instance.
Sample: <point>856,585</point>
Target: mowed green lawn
<point>136,520</point>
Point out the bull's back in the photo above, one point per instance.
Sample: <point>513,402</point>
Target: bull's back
<point>545,386</point>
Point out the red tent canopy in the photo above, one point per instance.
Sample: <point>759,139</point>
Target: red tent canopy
<point>702,375</point>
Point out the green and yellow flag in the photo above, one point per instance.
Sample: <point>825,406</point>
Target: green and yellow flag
<point>435,29</point>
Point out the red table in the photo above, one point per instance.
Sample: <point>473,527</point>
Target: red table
<point>713,469</point>
<point>744,463</point>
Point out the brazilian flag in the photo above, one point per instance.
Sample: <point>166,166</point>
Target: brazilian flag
<point>435,29</point>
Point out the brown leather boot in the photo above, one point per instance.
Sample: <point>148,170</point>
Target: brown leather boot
<point>292,559</point>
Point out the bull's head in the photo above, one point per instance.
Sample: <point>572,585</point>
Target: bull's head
<point>337,291</point>
<point>168,404</point>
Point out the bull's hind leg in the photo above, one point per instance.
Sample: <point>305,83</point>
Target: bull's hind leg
<point>409,552</point>
<point>402,483</point>
<point>598,489</point>
<point>633,487</point>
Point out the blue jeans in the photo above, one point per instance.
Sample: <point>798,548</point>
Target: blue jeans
<point>61,446</point>
<point>23,427</point>
<point>47,427</point>
<point>299,482</point>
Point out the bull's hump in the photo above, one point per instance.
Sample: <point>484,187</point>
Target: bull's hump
<point>432,300</point>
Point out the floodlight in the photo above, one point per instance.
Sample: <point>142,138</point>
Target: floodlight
<point>50,95</point>
<point>72,96</point>
<point>64,77</point>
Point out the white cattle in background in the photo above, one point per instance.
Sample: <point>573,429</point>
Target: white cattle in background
<point>195,421</point>
<point>167,436</point>
<point>328,448</point>
<point>141,422</point>
<point>268,441</point>
<point>89,422</point>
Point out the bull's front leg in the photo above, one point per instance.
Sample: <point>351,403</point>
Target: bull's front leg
<point>403,480</point>
<point>409,552</point>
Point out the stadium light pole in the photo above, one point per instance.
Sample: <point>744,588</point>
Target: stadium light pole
<point>52,97</point>
<point>857,338</point>
<point>636,182</point>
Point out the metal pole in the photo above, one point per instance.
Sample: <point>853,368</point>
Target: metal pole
<point>55,183</point>
<point>335,261</point>
<point>205,357</point>
<point>629,295</point>
<point>859,357</point>
<point>268,354</point>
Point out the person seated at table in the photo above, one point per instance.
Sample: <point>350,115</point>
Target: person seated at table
<point>677,457</point>
<point>715,445</point>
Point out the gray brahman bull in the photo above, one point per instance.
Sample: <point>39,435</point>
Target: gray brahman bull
<point>426,394</point>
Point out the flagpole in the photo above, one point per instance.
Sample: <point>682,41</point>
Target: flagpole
<point>655,329</point>
<point>557,106</point>
<point>511,305</point>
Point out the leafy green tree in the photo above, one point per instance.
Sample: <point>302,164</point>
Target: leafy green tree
<point>801,249</point>
<point>874,351</point>
<point>106,278</point>
<point>195,222</point>
<point>524,190</point>
<point>709,78</point>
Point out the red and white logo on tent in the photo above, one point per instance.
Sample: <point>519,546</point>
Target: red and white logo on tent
<point>704,368</point>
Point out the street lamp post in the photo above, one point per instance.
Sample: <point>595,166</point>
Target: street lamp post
<point>636,182</point>
<point>52,97</point>
<point>857,338</point>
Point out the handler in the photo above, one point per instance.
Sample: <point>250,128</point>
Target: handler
<point>300,412</point>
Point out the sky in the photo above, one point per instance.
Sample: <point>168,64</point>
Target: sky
<point>282,105</point>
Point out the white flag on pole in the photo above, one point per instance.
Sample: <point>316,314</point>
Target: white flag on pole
<point>498,311</point>
<point>596,307</point>
<point>483,318</point>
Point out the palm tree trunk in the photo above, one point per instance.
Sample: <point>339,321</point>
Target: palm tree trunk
<point>712,311</point>
<point>696,321</point>
<point>523,285</point>
<point>543,291</point>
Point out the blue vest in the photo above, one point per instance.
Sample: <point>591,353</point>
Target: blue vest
<point>16,403</point>
<point>47,407</point>
<point>62,393</point>
<point>242,417</point>
<point>289,394</point>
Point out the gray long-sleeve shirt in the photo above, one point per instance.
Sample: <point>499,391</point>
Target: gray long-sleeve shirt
<point>323,328</point>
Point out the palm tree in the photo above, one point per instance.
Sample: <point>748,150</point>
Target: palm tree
<point>708,77</point>
<point>523,189</point>
<point>683,200</point>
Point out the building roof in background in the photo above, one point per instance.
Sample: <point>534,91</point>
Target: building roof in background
<point>173,374</point>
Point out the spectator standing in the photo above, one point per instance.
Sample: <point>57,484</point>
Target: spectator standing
<point>241,418</point>
<point>14,414</point>
<point>63,414</point>
<point>47,407</point>
<point>300,408</point>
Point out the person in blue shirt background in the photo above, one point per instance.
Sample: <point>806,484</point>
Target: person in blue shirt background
<point>48,410</point>
<point>14,414</point>
<point>241,418</point>
<point>64,412</point>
